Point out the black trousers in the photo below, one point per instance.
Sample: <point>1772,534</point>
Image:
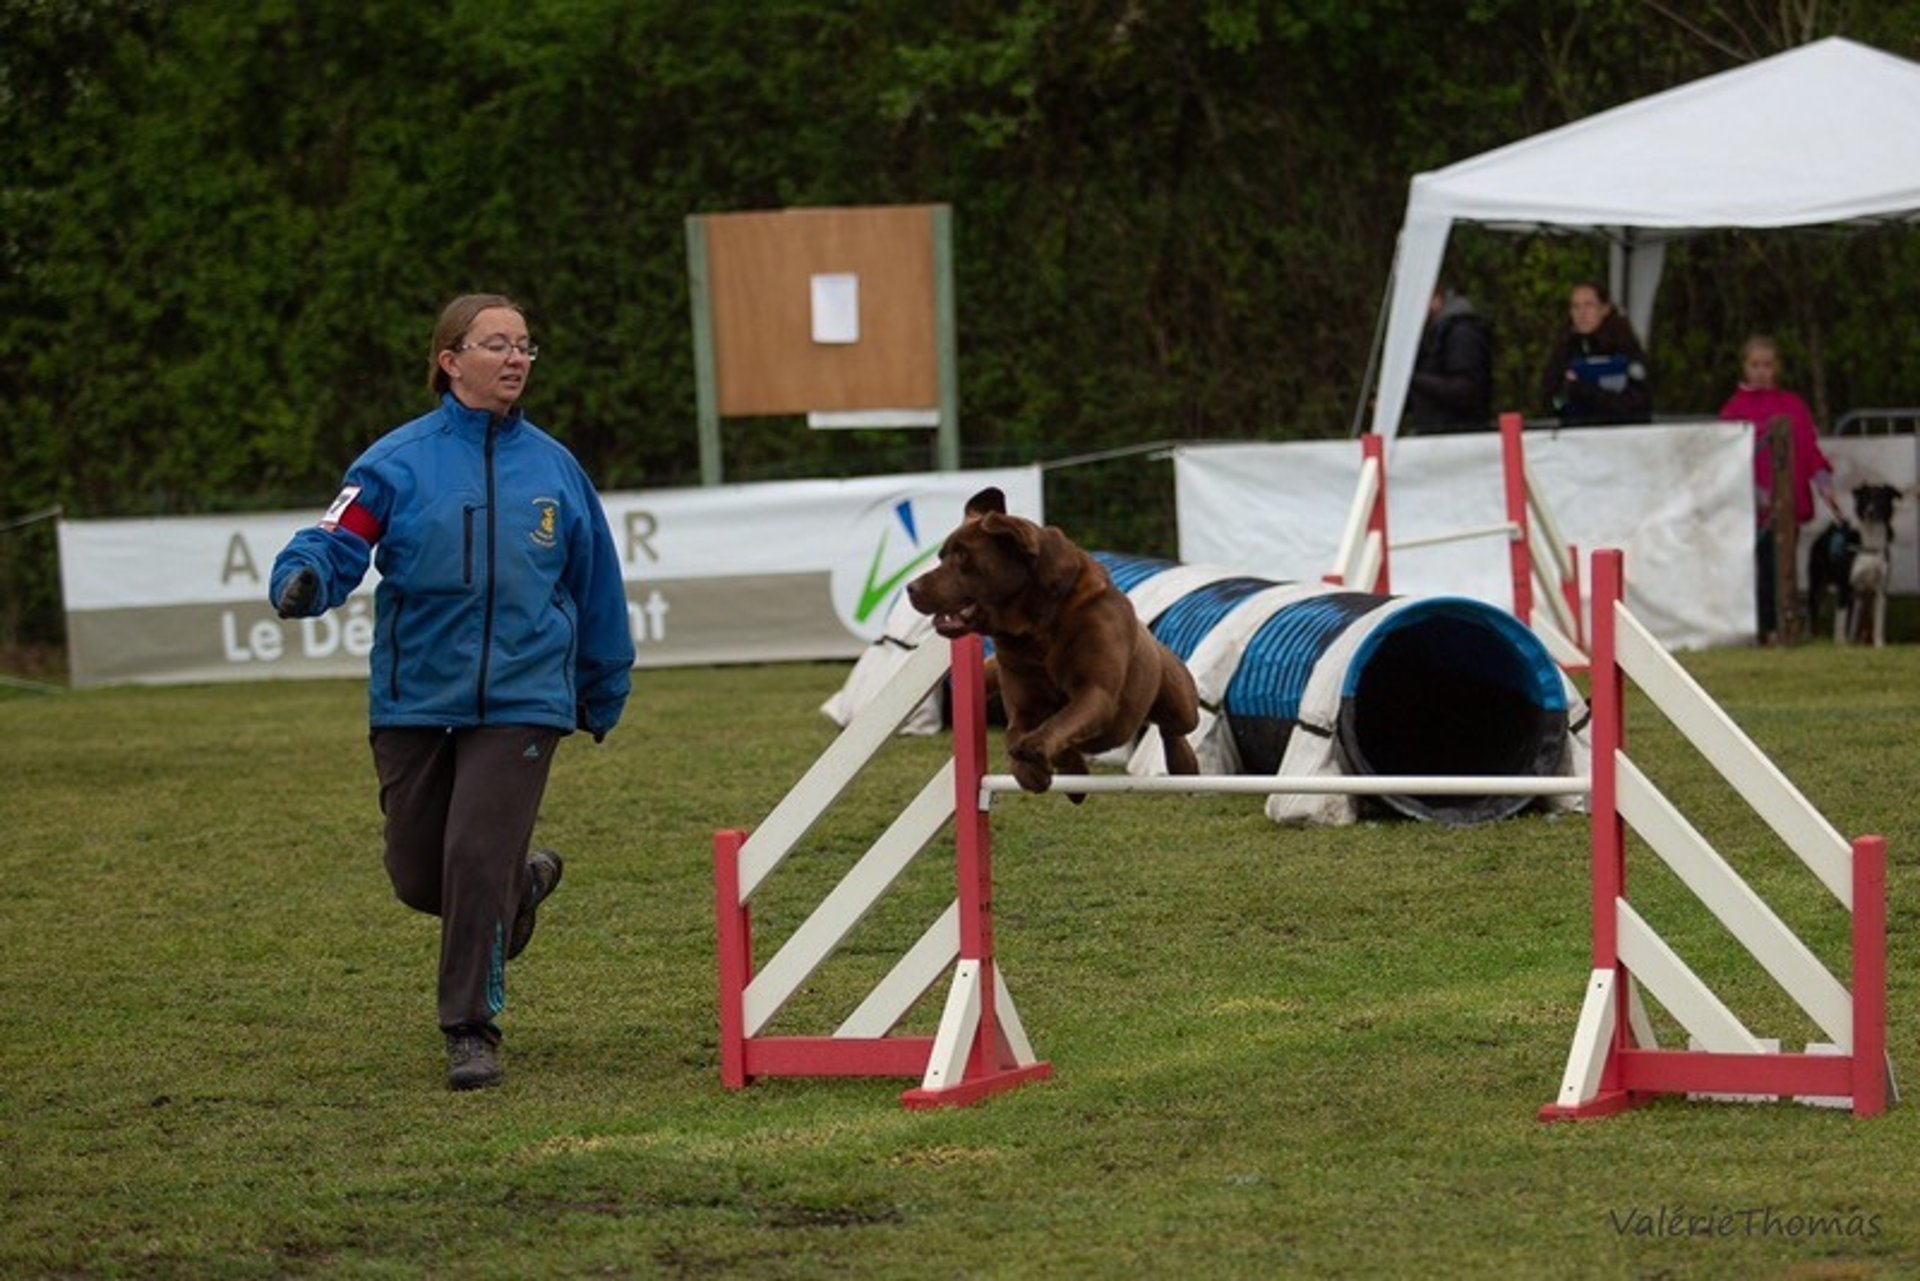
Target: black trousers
<point>1766,607</point>
<point>460,806</point>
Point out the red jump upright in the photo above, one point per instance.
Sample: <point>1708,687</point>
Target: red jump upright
<point>1614,1064</point>
<point>980,1048</point>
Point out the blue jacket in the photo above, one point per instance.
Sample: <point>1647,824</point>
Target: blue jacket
<point>501,600</point>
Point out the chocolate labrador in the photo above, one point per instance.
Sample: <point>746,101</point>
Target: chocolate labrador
<point>1077,671</point>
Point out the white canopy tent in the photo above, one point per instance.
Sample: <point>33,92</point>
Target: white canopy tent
<point>1826,133</point>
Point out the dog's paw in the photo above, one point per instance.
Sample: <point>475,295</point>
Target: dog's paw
<point>1032,778</point>
<point>1030,768</point>
<point>1071,763</point>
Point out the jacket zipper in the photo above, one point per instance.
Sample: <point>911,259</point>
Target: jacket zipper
<point>466,564</point>
<point>486,633</point>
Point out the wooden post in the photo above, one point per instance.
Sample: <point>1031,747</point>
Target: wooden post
<point>946,449</point>
<point>706,384</point>
<point>1788,617</point>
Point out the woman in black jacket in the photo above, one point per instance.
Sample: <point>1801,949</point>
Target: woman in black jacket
<point>1598,371</point>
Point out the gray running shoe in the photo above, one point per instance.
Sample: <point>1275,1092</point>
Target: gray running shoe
<point>543,878</point>
<point>471,1062</point>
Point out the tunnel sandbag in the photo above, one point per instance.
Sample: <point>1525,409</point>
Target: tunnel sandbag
<point>1263,700</point>
<point>903,632</point>
<point>1128,572</point>
<point>1153,584</point>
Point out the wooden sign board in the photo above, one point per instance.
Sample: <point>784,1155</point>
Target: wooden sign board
<point>763,279</point>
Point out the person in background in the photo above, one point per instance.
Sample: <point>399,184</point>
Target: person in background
<point>1452,389</point>
<point>1597,373</point>
<point>1759,400</point>
<point>501,626</point>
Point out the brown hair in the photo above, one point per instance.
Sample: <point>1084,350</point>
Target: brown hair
<point>1599,290</point>
<point>455,319</point>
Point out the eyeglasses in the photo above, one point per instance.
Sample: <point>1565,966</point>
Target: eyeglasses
<point>500,347</point>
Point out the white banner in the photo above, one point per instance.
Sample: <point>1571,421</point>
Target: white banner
<point>1676,498</point>
<point>738,573</point>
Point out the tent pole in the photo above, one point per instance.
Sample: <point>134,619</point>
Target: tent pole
<point>1367,388</point>
<point>1620,269</point>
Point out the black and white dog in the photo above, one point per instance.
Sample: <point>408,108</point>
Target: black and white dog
<point>1850,561</point>
<point>1873,510</point>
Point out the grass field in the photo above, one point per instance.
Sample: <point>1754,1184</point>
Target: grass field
<point>1278,1053</point>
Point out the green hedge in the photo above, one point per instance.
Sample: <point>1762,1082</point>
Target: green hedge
<point>225,229</point>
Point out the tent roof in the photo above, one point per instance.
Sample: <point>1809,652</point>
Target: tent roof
<point>1823,133</point>
<point>1826,133</point>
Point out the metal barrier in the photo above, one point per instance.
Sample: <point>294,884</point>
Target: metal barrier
<point>1877,422</point>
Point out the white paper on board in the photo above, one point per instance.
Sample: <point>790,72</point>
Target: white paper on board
<point>836,308</point>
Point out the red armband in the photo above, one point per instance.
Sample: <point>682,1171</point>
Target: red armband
<point>347,513</point>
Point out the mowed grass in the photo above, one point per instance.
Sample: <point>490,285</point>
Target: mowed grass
<point>1278,1053</point>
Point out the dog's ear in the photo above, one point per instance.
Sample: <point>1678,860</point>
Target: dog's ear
<point>1057,562</point>
<point>987,500</point>
<point>1054,563</point>
<point>1012,534</point>
<point>1020,536</point>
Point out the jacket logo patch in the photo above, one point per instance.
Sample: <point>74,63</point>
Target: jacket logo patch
<point>546,528</point>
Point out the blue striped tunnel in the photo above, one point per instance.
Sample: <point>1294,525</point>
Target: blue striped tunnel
<point>1439,685</point>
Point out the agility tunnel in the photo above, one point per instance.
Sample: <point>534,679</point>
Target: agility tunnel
<point>1306,679</point>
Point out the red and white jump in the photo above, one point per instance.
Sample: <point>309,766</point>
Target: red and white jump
<point>1537,555</point>
<point>1615,1063</point>
<point>981,1047</point>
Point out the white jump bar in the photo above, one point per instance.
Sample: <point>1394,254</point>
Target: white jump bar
<point>1505,529</point>
<point>1338,785</point>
